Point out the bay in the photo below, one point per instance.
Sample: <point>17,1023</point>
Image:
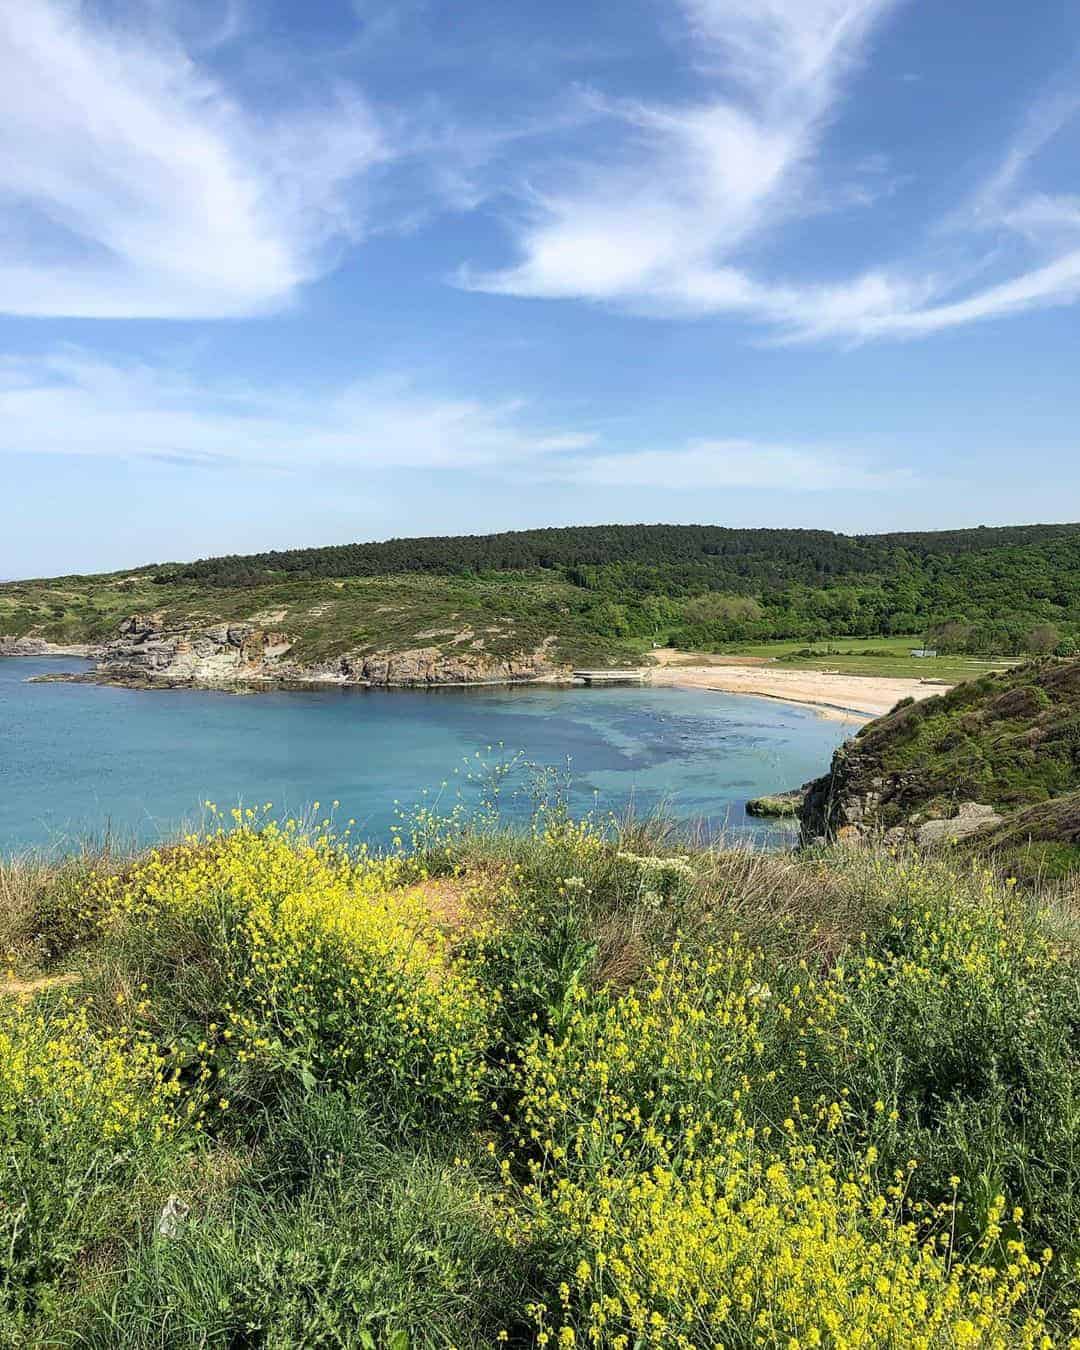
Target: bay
<point>78,761</point>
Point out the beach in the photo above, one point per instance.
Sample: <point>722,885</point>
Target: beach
<point>855,698</point>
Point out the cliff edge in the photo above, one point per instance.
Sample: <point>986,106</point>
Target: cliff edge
<point>993,764</point>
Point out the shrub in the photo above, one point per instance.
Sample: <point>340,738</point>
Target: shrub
<point>85,1122</point>
<point>283,962</point>
<point>674,1213</point>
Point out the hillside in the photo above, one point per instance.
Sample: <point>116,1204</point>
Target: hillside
<point>569,1087</point>
<point>536,601</point>
<point>1009,742</point>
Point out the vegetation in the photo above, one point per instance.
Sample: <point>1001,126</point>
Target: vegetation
<point>607,591</point>
<point>578,1085</point>
<point>1008,740</point>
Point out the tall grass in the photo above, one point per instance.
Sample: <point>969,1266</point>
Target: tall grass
<point>579,1084</point>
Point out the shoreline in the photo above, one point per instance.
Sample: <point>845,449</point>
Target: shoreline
<point>845,698</point>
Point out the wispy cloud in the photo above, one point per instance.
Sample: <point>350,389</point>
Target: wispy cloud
<point>703,466</point>
<point>657,227</point>
<point>133,185</point>
<point>664,225</point>
<point>72,403</point>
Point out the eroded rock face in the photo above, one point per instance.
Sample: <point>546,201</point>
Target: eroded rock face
<point>147,652</point>
<point>430,666</point>
<point>842,805</point>
<point>33,646</point>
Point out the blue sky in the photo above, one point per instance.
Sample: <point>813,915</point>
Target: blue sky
<point>276,274</point>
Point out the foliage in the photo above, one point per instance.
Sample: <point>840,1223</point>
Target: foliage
<point>1009,739</point>
<point>290,963</point>
<point>605,591</point>
<point>582,1084</point>
<point>85,1117</point>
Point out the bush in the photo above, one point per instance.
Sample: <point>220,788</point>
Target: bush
<point>676,1209</point>
<point>591,1085</point>
<point>89,1125</point>
<point>279,963</point>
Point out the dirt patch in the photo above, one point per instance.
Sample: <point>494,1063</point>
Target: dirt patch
<point>449,900</point>
<point>671,656</point>
<point>455,902</point>
<point>14,988</point>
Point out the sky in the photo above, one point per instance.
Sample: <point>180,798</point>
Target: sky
<point>275,275</point>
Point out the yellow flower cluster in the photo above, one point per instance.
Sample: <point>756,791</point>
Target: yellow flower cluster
<point>58,1077</point>
<point>333,963</point>
<point>688,1226</point>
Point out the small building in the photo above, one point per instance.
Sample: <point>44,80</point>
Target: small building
<point>923,651</point>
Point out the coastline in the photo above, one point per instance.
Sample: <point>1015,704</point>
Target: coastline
<point>840,697</point>
<point>846,698</point>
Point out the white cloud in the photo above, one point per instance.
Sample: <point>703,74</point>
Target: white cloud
<point>72,403</point>
<point>132,185</point>
<point>704,466</point>
<point>663,225</point>
<point>658,229</point>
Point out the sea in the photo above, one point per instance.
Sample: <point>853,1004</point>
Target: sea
<point>80,763</point>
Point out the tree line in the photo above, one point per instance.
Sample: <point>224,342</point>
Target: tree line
<point>1010,588</point>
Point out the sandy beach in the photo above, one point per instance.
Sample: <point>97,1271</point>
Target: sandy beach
<point>855,698</point>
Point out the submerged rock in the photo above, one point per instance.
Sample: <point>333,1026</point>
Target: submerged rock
<point>778,804</point>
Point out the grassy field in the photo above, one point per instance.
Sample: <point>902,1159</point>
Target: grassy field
<point>885,656</point>
<point>576,1086</point>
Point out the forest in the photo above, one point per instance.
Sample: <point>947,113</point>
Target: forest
<point>976,591</point>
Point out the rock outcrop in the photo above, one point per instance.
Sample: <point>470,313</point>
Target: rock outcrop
<point>966,766</point>
<point>969,819</point>
<point>150,653</point>
<point>224,654</point>
<point>422,666</point>
<point>35,646</point>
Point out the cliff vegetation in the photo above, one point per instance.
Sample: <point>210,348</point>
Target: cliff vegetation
<point>598,594</point>
<point>1007,744</point>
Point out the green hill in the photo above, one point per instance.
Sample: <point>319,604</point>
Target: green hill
<point>600,592</point>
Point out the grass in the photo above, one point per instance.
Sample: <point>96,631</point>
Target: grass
<point>501,615</point>
<point>887,657</point>
<point>504,614</point>
<point>579,1084</point>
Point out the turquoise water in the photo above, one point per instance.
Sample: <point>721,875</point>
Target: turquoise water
<point>77,760</point>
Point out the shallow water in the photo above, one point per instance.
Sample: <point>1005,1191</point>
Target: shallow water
<point>79,760</point>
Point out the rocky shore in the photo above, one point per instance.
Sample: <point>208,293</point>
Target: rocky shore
<point>32,646</point>
<point>148,654</point>
<point>850,804</point>
<point>992,767</point>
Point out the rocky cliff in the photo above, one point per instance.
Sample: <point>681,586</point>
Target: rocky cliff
<point>34,646</point>
<point>985,762</point>
<point>149,653</point>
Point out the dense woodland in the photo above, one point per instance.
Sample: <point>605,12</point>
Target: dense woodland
<point>980,591</point>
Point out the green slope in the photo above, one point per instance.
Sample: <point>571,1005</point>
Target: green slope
<point>605,591</point>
